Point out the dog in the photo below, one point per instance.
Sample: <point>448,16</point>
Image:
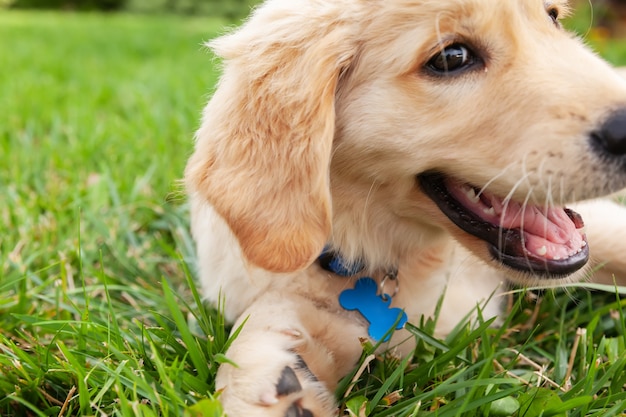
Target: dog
<point>415,144</point>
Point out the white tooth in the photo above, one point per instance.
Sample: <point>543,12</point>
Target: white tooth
<point>582,245</point>
<point>471,194</point>
<point>557,258</point>
<point>542,251</point>
<point>490,211</point>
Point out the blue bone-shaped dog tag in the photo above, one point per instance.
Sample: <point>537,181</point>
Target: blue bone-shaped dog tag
<point>375,308</point>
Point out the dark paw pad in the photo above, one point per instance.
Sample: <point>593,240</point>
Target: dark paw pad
<point>296,411</point>
<point>288,383</point>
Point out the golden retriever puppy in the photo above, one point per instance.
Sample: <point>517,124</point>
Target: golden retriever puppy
<point>422,144</point>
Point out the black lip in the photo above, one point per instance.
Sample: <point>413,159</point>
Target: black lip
<point>505,245</point>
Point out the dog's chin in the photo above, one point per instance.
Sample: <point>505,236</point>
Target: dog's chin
<point>534,242</point>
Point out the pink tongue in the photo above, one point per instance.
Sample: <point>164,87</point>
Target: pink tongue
<point>547,232</point>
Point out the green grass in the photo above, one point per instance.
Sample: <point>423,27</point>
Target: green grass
<point>98,312</point>
<point>98,114</point>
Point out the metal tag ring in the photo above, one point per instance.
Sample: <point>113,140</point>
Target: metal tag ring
<point>393,277</point>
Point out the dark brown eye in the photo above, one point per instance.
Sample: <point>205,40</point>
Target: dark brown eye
<point>452,58</point>
<point>554,15</point>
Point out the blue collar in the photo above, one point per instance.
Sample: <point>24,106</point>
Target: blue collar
<point>331,261</point>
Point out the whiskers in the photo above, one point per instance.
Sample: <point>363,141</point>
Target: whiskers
<point>531,226</point>
<point>543,192</point>
<point>505,207</point>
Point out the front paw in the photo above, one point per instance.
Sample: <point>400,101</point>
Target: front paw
<point>271,384</point>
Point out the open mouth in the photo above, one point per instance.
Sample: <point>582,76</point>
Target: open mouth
<point>541,240</point>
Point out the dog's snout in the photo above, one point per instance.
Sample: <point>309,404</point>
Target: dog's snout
<point>611,137</point>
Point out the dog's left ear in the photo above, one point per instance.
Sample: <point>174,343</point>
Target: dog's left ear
<point>263,151</point>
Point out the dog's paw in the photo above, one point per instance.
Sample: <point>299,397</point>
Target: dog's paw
<point>272,382</point>
<point>294,392</point>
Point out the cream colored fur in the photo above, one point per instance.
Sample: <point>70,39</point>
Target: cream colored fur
<point>318,127</point>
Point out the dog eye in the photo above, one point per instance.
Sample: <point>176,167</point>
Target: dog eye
<point>451,59</point>
<point>553,12</point>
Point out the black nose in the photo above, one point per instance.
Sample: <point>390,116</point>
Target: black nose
<point>612,135</point>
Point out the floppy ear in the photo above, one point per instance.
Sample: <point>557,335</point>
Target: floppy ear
<point>263,150</point>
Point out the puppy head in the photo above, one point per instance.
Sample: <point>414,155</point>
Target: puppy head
<point>263,149</point>
<point>489,94</point>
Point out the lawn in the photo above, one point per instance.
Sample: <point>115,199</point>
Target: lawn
<point>98,114</point>
<point>98,312</point>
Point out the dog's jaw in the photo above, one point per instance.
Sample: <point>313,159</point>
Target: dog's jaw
<point>546,242</point>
